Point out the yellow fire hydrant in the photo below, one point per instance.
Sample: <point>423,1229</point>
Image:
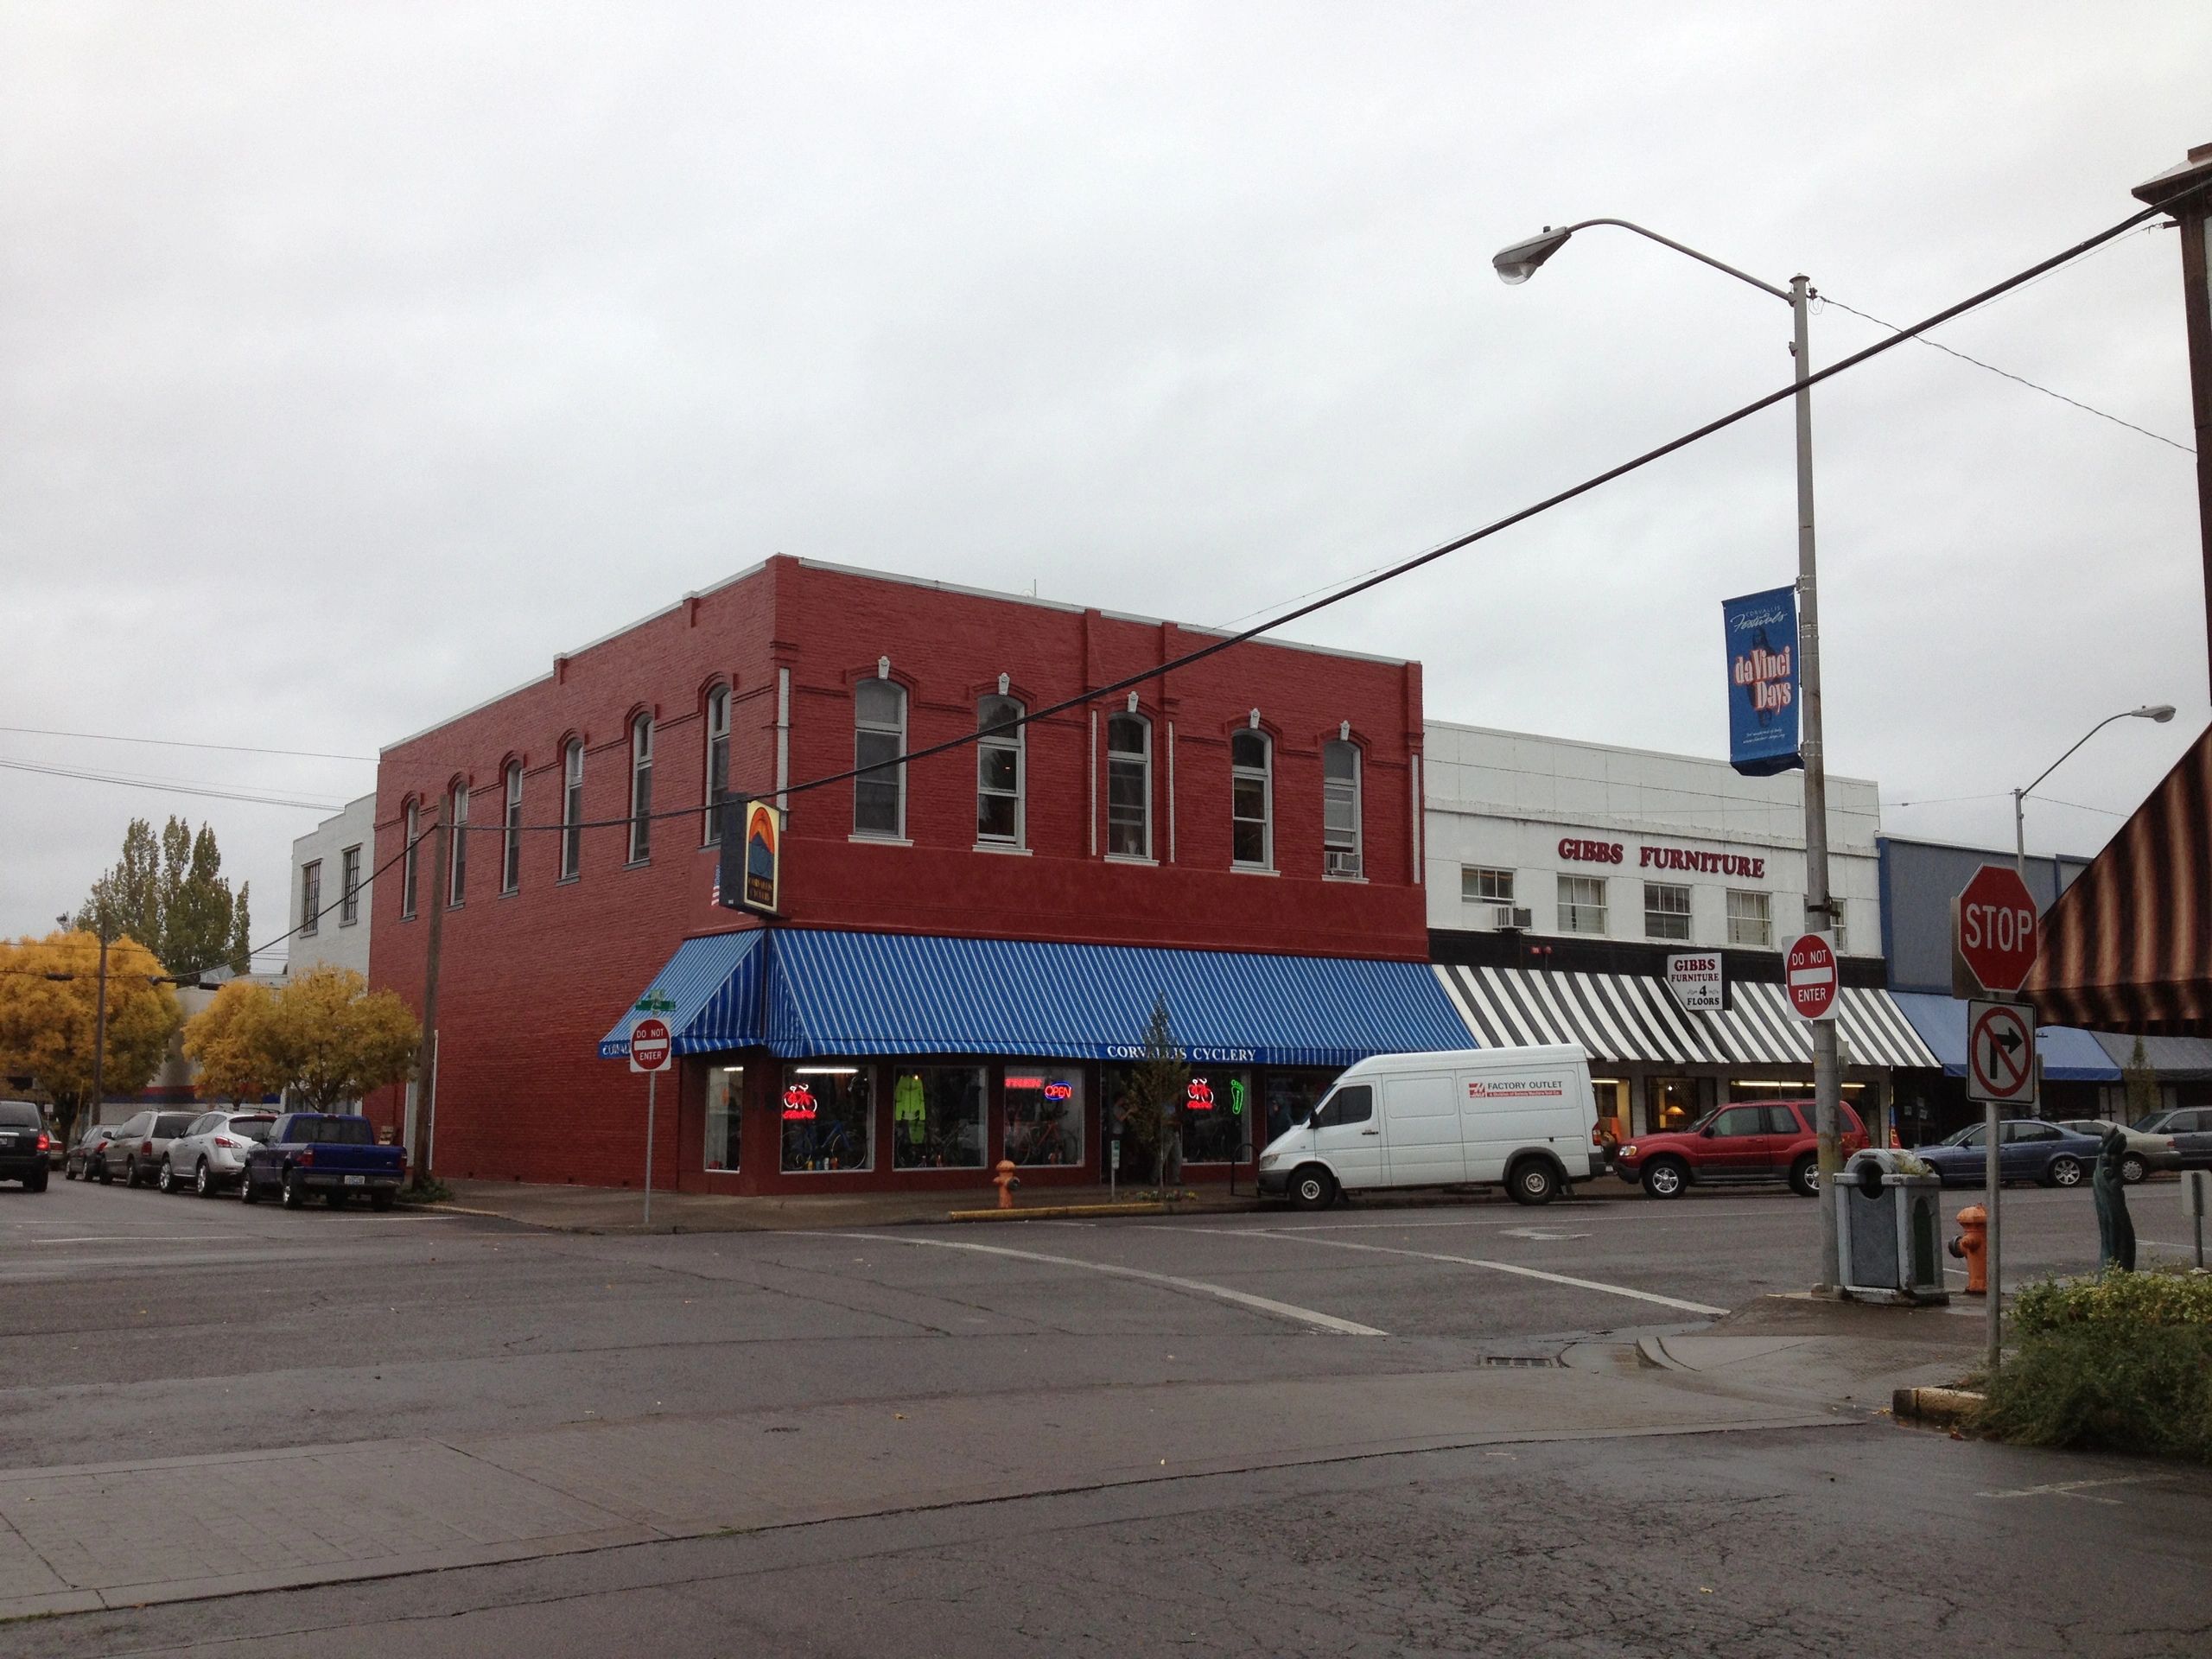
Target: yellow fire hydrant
<point>1007,1181</point>
<point>1971,1247</point>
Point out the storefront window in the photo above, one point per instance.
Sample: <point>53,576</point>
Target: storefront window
<point>937,1118</point>
<point>829,1115</point>
<point>1215,1115</point>
<point>1289,1096</point>
<point>1673,1102</point>
<point>1044,1112</point>
<point>725,1098</point>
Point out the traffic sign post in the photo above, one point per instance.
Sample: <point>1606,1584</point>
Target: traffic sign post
<point>652,1052</point>
<point>1813,986</point>
<point>1994,939</point>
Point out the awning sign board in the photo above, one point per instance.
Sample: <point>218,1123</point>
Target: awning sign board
<point>1697,981</point>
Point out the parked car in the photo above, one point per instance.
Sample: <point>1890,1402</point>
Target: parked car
<point>82,1158</point>
<point>210,1155</point>
<point>1746,1141</point>
<point>1521,1117</point>
<point>2190,1127</point>
<point>2029,1150</point>
<point>135,1150</point>
<point>24,1144</point>
<point>2145,1152</point>
<point>333,1154</point>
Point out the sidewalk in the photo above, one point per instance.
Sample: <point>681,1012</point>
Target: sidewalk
<point>1849,1356</point>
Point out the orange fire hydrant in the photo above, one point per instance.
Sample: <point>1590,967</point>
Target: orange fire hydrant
<point>1006,1180</point>
<point>1971,1247</point>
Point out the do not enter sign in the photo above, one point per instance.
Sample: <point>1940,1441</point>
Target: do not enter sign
<point>1809,975</point>
<point>1993,923</point>
<point>650,1047</point>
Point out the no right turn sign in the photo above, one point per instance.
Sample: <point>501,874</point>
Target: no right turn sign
<point>2001,1053</point>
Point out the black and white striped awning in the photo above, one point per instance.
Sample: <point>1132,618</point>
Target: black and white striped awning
<point>1633,1017</point>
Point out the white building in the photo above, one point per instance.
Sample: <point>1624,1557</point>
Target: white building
<point>1562,877</point>
<point>329,905</point>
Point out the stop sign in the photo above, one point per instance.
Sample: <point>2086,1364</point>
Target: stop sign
<point>1809,974</point>
<point>649,1046</point>
<point>1993,926</point>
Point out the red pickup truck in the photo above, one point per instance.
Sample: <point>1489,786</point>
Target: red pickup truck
<point>1744,1141</point>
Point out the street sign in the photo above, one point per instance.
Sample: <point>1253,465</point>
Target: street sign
<point>650,1047</point>
<point>1993,931</point>
<point>2001,1053</point>
<point>1809,972</point>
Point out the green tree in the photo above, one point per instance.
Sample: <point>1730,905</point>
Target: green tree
<point>1157,1084</point>
<point>169,893</point>
<point>128,898</point>
<point>241,940</point>
<point>2141,1081</point>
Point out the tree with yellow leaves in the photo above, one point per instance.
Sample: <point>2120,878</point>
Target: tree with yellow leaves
<point>49,1002</point>
<point>224,1040</point>
<point>331,1039</point>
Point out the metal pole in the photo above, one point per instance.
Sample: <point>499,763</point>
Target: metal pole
<point>653,1079</point>
<point>426,1064</point>
<point>1827,1077</point>
<point>2020,834</point>
<point>100,1028</point>
<point>1994,1314</point>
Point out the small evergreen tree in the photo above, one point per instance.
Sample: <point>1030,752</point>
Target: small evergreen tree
<point>2141,1082</point>
<point>1156,1088</point>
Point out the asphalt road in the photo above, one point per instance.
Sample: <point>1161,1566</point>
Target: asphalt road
<point>1545,1512</point>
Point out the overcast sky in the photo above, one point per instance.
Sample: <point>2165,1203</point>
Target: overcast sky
<point>356,359</point>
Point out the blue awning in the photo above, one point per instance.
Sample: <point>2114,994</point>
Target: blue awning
<point>2067,1055</point>
<point>854,993</point>
<point>709,994</point>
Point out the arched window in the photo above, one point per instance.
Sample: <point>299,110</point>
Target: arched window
<point>457,844</point>
<point>641,788</point>
<point>572,809</point>
<point>1128,787</point>
<point>998,771</point>
<point>1251,800</point>
<point>510,863</point>
<point>879,738</point>
<point>717,761</point>
<point>1340,840</point>
<point>411,826</point>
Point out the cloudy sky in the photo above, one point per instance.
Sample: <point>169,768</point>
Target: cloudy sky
<point>355,359</point>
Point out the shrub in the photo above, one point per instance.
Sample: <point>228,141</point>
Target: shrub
<point>2121,1363</point>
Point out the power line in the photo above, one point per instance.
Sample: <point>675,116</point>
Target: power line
<point>180,743</point>
<point>166,787</point>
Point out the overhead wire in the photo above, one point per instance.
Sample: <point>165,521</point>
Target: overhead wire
<point>182,743</point>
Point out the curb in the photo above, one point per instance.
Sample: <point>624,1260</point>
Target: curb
<point>1941,1408</point>
<point>1058,1212</point>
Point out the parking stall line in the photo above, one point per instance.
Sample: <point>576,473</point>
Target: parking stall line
<point>1307,1316</point>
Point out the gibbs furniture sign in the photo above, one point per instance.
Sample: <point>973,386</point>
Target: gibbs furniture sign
<point>1762,640</point>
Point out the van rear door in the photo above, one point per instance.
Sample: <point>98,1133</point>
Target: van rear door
<point>1421,1130</point>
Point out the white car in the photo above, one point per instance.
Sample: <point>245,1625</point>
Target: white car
<point>209,1157</point>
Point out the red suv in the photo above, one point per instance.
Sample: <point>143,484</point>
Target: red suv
<point>1748,1141</point>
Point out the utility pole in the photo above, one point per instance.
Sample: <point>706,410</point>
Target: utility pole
<point>426,1057</point>
<point>100,1019</point>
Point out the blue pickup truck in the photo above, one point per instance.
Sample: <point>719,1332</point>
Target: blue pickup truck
<point>329,1152</point>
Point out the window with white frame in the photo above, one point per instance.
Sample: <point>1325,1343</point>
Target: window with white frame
<point>457,847</point>
<point>1666,911</point>
<point>349,893</point>
<point>879,738</point>
<point>998,771</point>
<point>1480,886</point>
<point>1128,787</point>
<point>717,760</point>
<point>1750,920</point>
<point>511,852</point>
<point>1251,800</point>
<point>641,788</point>
<point>1582,904</point>
<point>1340,820</point>
<point>572,809</point>
<point>310,897</point>
<point>412,822</point>
<point>1840,927</point>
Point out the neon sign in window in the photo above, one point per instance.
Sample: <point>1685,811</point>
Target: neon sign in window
<point>1199,1095</point>
<point>799,1103</point>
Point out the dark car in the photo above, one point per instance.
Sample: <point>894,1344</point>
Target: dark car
<point>24,1145</point>
<point>135,1149</point>
<point>2029,1149</point>
<point>2191,1129</point>
<point>84,1158</point>
<point>333,1154</point>
<point>1750,1140</point>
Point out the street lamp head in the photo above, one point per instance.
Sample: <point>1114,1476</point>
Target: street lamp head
<point>2161,712</point>
<point>1517,264</point>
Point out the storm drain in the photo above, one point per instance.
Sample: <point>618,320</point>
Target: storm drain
<point>1524,1362</point>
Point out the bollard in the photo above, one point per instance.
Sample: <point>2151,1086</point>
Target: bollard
<point>1005,1180</point>
<point>1971,1247</point>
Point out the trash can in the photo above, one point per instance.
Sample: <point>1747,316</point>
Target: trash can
<point>1887,1220</point>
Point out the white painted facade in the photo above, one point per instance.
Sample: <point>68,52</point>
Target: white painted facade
<point>1534,808</point>
<point>321,860</point>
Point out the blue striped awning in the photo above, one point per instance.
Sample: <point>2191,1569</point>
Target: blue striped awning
<point>2067,1055</point>
<point>855,994</point>
<point>712,987</point>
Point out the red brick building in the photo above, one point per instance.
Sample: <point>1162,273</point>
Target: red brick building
<point>1187,815</point>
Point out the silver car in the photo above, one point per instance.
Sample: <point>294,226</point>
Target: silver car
<point>2145,1152</point>
<point>209,1157</point>
<point>135,1150</point>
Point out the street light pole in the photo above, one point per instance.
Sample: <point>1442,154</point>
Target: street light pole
<point>100,1021</point>
<point>1516,265</point>
<point>2160,712</point>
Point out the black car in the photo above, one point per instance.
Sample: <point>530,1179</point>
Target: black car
<point>24,1145</point>
<point>84,1159</point>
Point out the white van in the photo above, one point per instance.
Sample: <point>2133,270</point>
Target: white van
<point>1466,1117</point>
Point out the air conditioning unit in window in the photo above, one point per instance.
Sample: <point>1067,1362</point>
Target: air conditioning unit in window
<point>1511,919</point>
<point>1337,863</point>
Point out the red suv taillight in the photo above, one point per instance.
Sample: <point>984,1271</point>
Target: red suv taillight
<point>225,1140</point>
<point>307,1159</point>
<point>45,1141</point>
